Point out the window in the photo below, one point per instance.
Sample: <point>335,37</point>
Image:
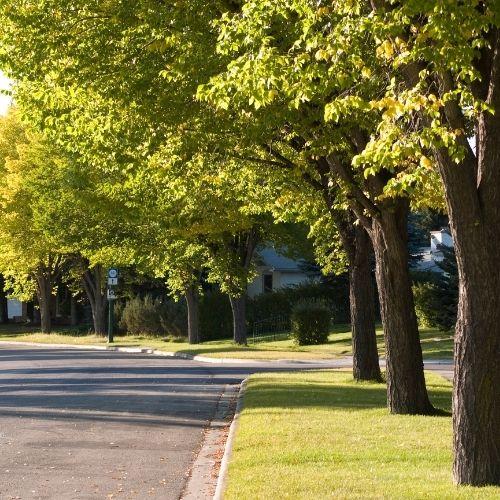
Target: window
<point>267,282</point>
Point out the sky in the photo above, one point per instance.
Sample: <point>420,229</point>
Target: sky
<point>4,100</point>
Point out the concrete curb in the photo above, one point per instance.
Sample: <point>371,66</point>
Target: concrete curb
<point>340,362</point>
<point>224,466</point>
<point>202,479</point>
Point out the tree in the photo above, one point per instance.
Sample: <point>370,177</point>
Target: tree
<point>31,260</point>
<point>444,59</point>
<point>202,217</point>
<point>181,263</point>
<point>231,265</point>
<point>171,52</point>
<point>339,245</point>
<point>301,74</point>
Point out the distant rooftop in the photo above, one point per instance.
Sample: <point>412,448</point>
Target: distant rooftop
<point>269,257</point>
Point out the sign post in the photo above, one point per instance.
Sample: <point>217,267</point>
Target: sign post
<point>112,282</point>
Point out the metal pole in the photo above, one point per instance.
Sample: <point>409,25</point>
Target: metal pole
<point>111,320</point>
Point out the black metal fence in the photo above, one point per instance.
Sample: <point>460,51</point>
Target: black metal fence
<point>270,329</point>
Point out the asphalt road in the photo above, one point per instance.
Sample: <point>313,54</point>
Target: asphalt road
<point>96,424</point>
<point>82,424</point>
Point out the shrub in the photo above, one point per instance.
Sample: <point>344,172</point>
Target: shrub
<point>173,318</point>
<point>311,322</point>
<point>150,316</point>
<point>436,295</point>
<point>281,302</point>
<point>434,307</point>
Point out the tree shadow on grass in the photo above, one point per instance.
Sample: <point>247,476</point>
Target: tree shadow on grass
<point>343,396</point>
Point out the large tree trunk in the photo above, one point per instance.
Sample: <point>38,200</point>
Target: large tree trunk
<point>472,190</point>
<point>99,315</point>
<point>406,390</point>
<point>238,306</point>
<point>96,293</point>
<point>44,294</point>
<point>476,396</point>
<point>192,301</point>
<point>361,294</point>
<point>474,209</point>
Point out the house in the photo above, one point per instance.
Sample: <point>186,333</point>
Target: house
<point>17,310</point>
<point>276,271</point>
<point>429,256</point>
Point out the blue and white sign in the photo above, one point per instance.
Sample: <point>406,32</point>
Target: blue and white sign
<point>113,273</point>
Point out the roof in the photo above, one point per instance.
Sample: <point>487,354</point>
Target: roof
<point>269,257</point>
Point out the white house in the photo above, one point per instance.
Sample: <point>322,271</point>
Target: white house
<point>17,310</point>
<point>430,255</point>
<point>276,271</point>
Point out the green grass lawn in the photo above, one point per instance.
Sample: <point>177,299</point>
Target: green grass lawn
<point>435,344</point>
<point>319,435</point>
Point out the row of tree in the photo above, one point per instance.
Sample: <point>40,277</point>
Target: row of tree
<point>200,123</point>
<point>66,224</point>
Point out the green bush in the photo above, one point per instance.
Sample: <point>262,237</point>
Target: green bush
<point>173,318</point>
<point>434,307</point>
<point>281,302</point>
<point>436,294</point>
<point>311,321</point>
<point>425,303</point>
<point>148,316</point>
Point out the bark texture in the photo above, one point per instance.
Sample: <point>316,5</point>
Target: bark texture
<point>386,223</point>
<point>192,301</point>
<point>406,390</point>
<point>93,283</point>
<point>473,197</point>
<point>359,250</point>
<point>362,306</point>
<point>476,395</point>
<point>73,311</point>
<point>238,306</point>
<point>44,295</point>
<point>242,247</point>
<point>4,311</point>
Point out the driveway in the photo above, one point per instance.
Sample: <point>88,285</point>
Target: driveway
<point>82,424</point>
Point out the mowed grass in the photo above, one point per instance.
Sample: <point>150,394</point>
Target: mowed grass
<point>435,344</point>
<point>320,435</point>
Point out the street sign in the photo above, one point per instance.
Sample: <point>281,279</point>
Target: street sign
<point>112,281</point>
<point>111,294</point>
<point>113,273</point>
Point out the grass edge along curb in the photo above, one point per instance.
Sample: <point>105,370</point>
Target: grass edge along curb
<point>224,466</point>
<point>320,434</point>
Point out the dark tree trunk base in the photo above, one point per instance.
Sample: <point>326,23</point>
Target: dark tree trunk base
<point>238,306</point>
<point>93,285</point>
<point>361,294</point>
<point>406,390</point>
<point>192,301</point>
